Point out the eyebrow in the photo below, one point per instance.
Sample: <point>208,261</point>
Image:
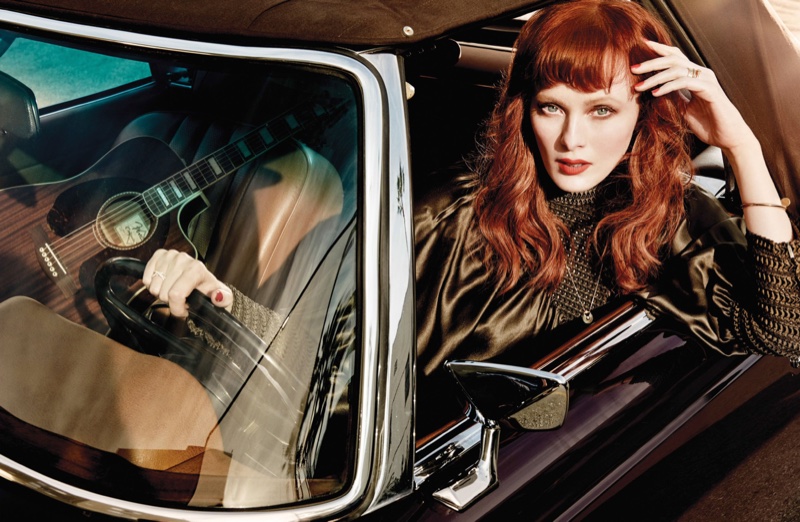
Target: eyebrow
<point>598,100</point>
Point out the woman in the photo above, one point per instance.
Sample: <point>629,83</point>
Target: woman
<point>583,193</point>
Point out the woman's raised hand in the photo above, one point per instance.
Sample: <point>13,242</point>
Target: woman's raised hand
<point>171,276</point>
<point>710,114</point>
<point>713,118</point>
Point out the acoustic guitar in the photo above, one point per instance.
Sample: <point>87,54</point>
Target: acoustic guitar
<point>129,203</point>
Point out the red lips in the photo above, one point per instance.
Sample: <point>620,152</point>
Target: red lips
<point>572,167</point>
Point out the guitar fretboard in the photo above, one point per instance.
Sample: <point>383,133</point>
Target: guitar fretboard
<point>187,183</point>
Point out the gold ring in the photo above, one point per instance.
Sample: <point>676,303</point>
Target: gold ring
<point>159,274</point>
<point>693,73</point>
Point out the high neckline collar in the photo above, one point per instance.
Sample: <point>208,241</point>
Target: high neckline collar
<point>585,197</point>
<point>580,209</point>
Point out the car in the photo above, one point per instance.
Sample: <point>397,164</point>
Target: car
<point>285,145</point>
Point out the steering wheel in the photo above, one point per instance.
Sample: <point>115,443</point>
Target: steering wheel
<point>220,356</point>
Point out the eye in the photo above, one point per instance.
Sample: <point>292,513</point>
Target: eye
<point>603,111</point>
<point>548,108</point>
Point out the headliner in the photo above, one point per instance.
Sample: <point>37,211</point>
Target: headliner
<point>355,23</point>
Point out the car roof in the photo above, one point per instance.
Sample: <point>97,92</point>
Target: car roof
<point>359,23</point>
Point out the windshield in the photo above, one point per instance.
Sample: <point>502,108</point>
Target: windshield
<point>249,166</point>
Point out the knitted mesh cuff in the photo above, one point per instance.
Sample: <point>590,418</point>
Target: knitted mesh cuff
<point>259,319</point>
<point>771,323</point>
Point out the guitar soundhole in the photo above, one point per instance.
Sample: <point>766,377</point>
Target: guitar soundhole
<point>124,222</point>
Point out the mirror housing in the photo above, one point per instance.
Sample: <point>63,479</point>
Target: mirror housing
<point>520,398</point>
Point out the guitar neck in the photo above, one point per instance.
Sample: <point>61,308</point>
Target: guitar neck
<point>187,183</point>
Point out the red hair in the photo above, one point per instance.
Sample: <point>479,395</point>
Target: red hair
<point>587,45</point>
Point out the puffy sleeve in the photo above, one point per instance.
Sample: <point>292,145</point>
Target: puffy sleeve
<point>736,292</point>
<point>445,271</point>
<point>460,311</point>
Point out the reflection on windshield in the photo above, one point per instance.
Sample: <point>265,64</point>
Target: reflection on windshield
<point>250,168</point>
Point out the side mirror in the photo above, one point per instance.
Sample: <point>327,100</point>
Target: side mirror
<point>520,398</point>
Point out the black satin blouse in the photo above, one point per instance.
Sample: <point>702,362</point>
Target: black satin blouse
<point>709,283</point>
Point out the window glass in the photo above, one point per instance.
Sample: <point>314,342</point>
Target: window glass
<point>251,167</point>
<point>59,74</point>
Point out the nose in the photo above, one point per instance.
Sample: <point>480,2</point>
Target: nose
<point>573,133</point>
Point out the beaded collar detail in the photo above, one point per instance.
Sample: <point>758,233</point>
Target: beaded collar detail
<point>583,287</point>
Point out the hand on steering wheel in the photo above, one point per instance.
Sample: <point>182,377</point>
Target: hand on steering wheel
<point>222,366</point>
<point>171,276</point>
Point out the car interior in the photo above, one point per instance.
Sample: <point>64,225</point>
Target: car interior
<point>281,230</point>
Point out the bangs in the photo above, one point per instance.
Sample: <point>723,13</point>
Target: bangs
<point>587,46</point>
<point>586,69</point>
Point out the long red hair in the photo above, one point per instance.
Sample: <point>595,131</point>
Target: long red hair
<point>586,44</point>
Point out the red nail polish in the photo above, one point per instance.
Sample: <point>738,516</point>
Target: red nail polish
<point>219,297</point>
<point>638,85</point>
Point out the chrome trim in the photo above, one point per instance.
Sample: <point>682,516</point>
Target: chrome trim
<point>445,449</point>
<point>480,479</point>
<point>599,348</point>
<point>146,41</point>
<point>374,161</point>
<point>477,45</point>
<point>394,426</point>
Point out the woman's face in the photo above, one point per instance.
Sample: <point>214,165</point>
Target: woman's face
<point>583,136</point>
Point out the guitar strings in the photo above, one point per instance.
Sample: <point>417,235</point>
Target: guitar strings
<point>201,167</point>
<point>83,236</point>
<point>123,211</point>
<point>79,238</point>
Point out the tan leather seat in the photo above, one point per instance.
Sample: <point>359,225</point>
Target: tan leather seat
<point>285,207</point>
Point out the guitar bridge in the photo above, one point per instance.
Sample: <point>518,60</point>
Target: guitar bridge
<point>55,270</point>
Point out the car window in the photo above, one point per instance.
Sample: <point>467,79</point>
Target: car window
<point>58,74</point>
<point>248,165</point>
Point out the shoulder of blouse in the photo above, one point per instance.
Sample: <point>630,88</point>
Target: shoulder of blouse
<point>443,194</point>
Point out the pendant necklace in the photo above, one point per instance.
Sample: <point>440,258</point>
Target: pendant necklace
<point>587,312</point>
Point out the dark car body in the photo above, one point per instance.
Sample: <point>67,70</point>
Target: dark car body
<point>380,95</point>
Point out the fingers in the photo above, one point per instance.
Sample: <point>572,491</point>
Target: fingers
<point>672,72</point>
<point>171,276</point>
<point>676,78</point>
<point>710,114</point>
<point>222,297</point>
